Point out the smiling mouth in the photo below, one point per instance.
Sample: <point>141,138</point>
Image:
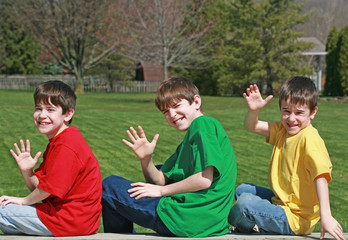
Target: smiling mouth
<point>292,126</point>
<point>44,123</point>
<point>178,119</point>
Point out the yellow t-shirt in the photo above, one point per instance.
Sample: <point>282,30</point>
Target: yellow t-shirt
<point>295,163</point>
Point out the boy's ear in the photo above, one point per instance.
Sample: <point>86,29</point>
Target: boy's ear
<point>197,101</point>
<point>69,114</point>
<point>315,110</point>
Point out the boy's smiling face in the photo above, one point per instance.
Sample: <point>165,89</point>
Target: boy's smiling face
<point>50,120</point>
<point>295,117</point>
<point>182,113</point>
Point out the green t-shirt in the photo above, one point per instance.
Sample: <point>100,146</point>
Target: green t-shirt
<point>202,213</point>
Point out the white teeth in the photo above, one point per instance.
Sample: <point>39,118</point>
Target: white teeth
<point>179,119</point>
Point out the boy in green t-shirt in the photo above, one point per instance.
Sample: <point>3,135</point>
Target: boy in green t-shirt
<point>191,195</point>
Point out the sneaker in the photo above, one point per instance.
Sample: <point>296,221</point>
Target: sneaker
<point>256,229</point>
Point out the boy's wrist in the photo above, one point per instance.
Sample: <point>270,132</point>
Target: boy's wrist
<point>254,111</point>
<point>146,159</point>
<point>27,173</point>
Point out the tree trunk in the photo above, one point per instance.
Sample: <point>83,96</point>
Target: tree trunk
<point>79,85</point>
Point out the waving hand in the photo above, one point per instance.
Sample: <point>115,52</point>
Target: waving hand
<point>142,148</point>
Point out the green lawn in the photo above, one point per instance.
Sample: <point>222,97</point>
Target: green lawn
<point>103,119</point>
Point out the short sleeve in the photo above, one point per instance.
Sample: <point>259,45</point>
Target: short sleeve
<point>206,152</point>
<point>317,158</point>
<point>169,165</point>
<point>61,170</point>
<point>275,129</point>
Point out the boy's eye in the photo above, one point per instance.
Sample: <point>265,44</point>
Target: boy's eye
<point>176,105</point>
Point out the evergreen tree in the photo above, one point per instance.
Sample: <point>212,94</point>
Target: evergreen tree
<point>333,85</point>
<point>343,59</point>
<point>19,51</point>
<point>263,46</point>
<point>215,13</point>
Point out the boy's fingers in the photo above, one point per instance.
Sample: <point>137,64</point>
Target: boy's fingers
<point>155,138</point>
<point>269,98</point>
<point>17,148</point>
<point>13,153</point>
<point>22,145</point>
<point>127,143</point>
<point>255,88</point>
<point>135,134</point>
<point>141,132</point>
<point>130,136</point>
<point>28,146</point>
<point>322,234</point>
<point>37,156</point>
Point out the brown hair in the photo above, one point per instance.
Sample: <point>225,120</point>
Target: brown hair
<point>173,90</point>
<point>300,90</point>
<point>57,93</point>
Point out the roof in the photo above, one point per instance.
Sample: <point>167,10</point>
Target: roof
<point>153,71</point>
<point>319,47</point>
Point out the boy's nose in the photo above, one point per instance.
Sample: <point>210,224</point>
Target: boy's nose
<point>292,117</point>
<point>172,112</point>
<point>43,114</point>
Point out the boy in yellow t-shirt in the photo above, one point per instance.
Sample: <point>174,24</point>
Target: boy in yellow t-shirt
<point>299,172</point>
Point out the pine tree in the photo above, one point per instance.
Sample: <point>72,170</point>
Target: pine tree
<point>343,59</point>
<point>333,85</point>
<point>264,46</point>
<point>19,51</point>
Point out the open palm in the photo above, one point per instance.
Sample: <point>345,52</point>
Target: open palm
<point>23,157</point>
<point>254,99</point>
<point>142,148</point>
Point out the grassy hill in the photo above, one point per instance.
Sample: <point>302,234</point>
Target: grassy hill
<point>103,119</point>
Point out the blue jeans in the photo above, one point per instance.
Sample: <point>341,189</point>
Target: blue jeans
<point>120,210</point>
<point>18,220</point>
<point>253,206</point>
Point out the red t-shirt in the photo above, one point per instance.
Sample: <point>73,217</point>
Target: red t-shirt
<point>70,173</point>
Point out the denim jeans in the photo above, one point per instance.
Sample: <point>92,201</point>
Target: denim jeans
<point>18,220</point>
<point>120,211</point>
<point>253,206</point>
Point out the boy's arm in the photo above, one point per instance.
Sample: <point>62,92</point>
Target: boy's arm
<point>327,222</point>
<point>256,103</point>
<point>26,163</point>
<point>144,149</point>
<point>196,182</point>
<point>35,196</point>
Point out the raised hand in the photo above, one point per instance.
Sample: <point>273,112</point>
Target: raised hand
<point>23,158</point>
<point>142,148</point>
<point>254,98</point>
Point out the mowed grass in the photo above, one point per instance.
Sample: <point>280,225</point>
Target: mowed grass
<point>103,119</point>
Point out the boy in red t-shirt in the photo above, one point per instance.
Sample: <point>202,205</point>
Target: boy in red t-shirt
<point>66,188</point>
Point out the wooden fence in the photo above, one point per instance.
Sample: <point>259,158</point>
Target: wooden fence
<point>91,83</point>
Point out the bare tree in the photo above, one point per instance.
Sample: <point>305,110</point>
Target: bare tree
<point>324,15</point>
<point>76,28</point>
<point>170,32</point>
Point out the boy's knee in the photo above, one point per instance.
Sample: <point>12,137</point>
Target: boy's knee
<point>110,180</point>
<point>111,184</point>
<point>115,187</point>
<point>243,188</point>
<point>240,211</point>
<point>245,200</point>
